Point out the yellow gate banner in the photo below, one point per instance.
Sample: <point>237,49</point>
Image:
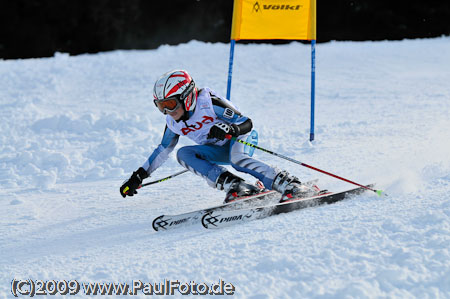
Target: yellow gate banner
<point>274,19</point>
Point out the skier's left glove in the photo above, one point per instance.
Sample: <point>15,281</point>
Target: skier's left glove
<point>130,186</point>
<point>219,131</point>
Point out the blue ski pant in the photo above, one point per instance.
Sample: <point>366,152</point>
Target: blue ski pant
<point>205,161</point>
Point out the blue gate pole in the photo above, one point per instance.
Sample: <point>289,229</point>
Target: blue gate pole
<point>313,86</point>
<point>230,69</point>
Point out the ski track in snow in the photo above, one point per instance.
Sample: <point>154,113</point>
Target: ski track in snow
<point>73,128</point>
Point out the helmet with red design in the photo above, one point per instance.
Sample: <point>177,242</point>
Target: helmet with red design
<point>173,89</point>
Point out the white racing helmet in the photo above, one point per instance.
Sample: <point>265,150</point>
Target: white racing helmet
<point>173,89</point>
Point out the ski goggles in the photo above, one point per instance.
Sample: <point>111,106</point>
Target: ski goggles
<point>167,105</point>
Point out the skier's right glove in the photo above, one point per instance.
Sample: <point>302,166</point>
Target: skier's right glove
<point>130,186</point>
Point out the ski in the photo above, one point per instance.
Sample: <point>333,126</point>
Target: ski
<point>166,222</point>
<point>221,218</point>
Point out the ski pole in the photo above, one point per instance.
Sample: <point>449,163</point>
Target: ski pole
<point>379,192</point>
<point>164,179</point>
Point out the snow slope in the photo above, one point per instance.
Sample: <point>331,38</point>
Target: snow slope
<point>73,128</point>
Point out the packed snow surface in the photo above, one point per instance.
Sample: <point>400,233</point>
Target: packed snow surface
<point>74,127</point>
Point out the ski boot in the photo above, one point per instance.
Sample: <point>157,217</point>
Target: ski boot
<point>235,187</point>
<point>291,187</point>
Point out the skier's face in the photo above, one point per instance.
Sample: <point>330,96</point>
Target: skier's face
<point>177,114</point>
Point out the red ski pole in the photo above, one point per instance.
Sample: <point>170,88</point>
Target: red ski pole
<point>379,192</point>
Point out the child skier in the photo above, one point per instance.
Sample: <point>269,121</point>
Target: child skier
<point>206,118</point>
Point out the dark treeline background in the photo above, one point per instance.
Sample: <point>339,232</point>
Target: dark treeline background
<point>39,28</point>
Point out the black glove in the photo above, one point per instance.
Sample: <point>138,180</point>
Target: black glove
<point>130,186</point>
<point>219,131</point>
